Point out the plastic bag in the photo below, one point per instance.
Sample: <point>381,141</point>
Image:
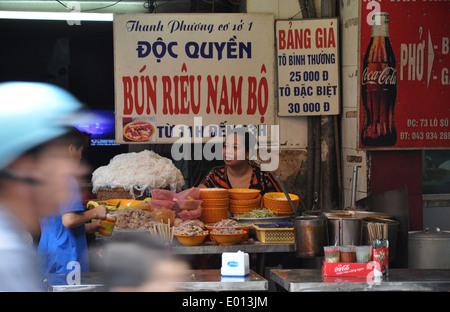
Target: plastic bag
<point>191,193</point>
<point>190,214</point>
<point>163,215</point>
<point>162,194</point>
<point>161,204</point>
<point>188,204</point>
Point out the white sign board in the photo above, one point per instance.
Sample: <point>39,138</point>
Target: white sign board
<point>197,71</point>
<point>308,69</point>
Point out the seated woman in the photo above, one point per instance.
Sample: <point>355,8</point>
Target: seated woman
<point>237,172</point>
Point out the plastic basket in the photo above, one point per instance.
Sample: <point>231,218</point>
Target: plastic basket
<point>104,193</point>
<point>279,207</point>
<point>278,202</point>
<point>274,235</point>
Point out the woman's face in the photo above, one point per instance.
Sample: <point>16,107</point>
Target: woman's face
<point>234,150</point>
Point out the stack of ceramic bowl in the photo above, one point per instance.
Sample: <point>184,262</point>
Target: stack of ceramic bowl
<point>279,204</point>
<point>244,200</point>
<point>215,204</point>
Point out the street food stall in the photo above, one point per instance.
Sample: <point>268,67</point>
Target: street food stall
<point>351,249</point>
<point>339,264</point>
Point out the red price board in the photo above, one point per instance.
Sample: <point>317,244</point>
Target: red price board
<point>404,75</point>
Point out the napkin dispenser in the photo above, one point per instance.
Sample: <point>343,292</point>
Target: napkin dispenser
<point>235,264</point>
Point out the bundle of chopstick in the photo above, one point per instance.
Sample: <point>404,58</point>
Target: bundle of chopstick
<point>377,230</point>
<point>162,231</point>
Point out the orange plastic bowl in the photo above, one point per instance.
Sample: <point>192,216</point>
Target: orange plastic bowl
<point>213,193</point>
<point>277,202</point>
<point>244,194</point>
<point>213,215</point>
<point>242,209</point>
<point>245,228</point>
<point>123,202</point>
<point>190,240</point>
<point>227,239</point>
<point>215,202</point>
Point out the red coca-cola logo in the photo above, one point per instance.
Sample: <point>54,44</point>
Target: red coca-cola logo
<point>341,268</point>
<point>387,76</point>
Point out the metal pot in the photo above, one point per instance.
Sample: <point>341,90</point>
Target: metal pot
<point>310,235</point>
<point>368,214</point>
<point>344,231</point>
<point>344,226</point>
<point>347,213</point>
<point>429,249</point>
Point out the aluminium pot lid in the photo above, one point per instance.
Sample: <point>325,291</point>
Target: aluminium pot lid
<point>430,234</point>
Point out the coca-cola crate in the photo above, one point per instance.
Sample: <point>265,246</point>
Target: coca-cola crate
<point>348,269</point>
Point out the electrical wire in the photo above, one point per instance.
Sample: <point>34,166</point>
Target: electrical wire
<point>150,5</point>
<point>295,15</point>
<point>153,7</point>
<point>94,9</point>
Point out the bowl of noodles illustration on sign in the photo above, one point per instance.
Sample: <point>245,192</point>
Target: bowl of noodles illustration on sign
<point>138,131</point>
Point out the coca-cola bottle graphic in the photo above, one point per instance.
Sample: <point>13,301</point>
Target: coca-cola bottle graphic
<point>379,86</point>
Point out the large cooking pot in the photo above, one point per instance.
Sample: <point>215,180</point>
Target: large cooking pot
<point>344,230</point>
<point>310,235</point>
<point>345,226</point>
<point>429,249</point>
<point>347,213</point>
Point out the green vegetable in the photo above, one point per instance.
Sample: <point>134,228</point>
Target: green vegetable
<point>257,213</point>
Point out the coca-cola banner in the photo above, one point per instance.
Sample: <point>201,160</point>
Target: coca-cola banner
<point>405,78</point>
<point>308,67</point>
<point>192,75</point>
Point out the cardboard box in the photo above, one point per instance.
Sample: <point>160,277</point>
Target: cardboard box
<point>348,269</point>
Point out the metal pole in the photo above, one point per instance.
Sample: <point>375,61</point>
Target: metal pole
<point>354,184</point>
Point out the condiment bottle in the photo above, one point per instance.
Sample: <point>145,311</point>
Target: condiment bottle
<point>109,223</point>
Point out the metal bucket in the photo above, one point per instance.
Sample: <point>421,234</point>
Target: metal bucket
<point>310,236</point>
<point>344,231</point>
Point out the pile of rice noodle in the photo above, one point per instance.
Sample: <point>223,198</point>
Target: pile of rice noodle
<point>141,171</point>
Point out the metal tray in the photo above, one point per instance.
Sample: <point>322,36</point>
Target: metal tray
<point>261,220</point>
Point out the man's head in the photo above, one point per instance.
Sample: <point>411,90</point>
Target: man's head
<point>33,160</point>
<point>74,141</point>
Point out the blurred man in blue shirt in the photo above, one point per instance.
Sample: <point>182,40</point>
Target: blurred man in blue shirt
<point>63,244</point>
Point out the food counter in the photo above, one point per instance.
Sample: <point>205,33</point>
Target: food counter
<point>89,282</point>
<point>212,280</point>
<point>192,280</point>
<point>213,248</point>
<point>308,280</point>
<point>209,247</point>
<point>256,247</point>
